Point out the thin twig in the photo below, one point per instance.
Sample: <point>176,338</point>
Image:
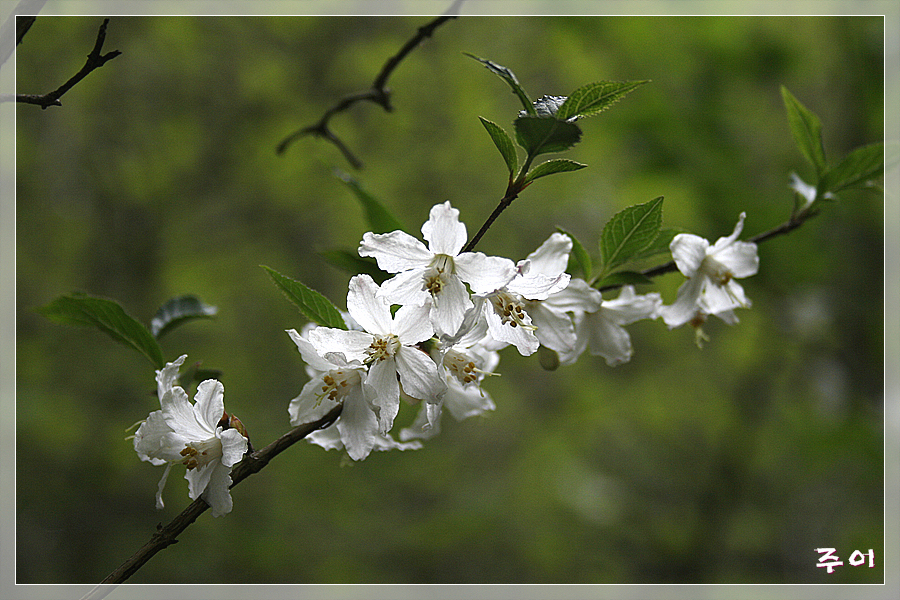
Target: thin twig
<point>504,203</point>
<point>95,60</point>
<point>23,24</point>
<point>252,463</point>
<point>378,93</point>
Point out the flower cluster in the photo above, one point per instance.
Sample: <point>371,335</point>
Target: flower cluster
<point>432,331</point>
<point>431,334</point>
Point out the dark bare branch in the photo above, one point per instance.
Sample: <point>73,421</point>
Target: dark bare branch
<point>378,93</point>
<point>95,60</point>
<point>23,24</point>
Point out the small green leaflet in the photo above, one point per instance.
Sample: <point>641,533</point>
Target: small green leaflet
<point>558,165</point>
<point>312,304</point>
<point>504,144</point>
<point>510,78</point>
<point>629,232</point>
<point>107,316</point>
<point>541,135</point>
<point>807,131</point>
<point>580,254</point>
<point>594,98</point>
<point>857,168</point>
<point>379,218</point>
<point>660,244</point>
<point>179,310</point>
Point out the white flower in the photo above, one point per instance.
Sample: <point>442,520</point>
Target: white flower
<point>711,271</point>
<point>463,369</point>
<point>335,381</point>
<point>512,312</point>
<point>387,346</point>
<point>437,272</point>
<point>198,436</point>
<point>601,329</point>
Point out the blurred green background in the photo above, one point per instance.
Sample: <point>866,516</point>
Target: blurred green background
<point>158,176</point>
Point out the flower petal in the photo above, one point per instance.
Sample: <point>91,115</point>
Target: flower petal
<point>686,303</point>
<point>724,242</point>
<point>578,297</point>
<point>148,439</point>
<point>449,307</point>
<point>630,307</point>
<point>162,484</point>
<point>608,339</point>
<point>740,258</point>
<point>443,230</point>
<point>537,286</point>
<point>308,352</point>
<point>555,330</point>
<point>352,344</point>
<point>358,426</point>
<point>552,257</point>
<point>216,492</point>
<point>484,273</point>
<point>199,478</point>
<point>420,428</point>
<point>411,324</point>
<point>234,446</point>
<point>407,287</point>
<point>716,299</point>
<point>396,251</point>
<point>523,339</point>
<point>181,417</point>
<point>688,251</point>
<point>168,375</point>
<point>383,392</point>
<point>371,312</point>
<point>328,438</point>
<point>209,404</point>
<point>419,375</point>
<point>464,402</point>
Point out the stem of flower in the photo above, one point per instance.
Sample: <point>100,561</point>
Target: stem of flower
<point>512,192</point>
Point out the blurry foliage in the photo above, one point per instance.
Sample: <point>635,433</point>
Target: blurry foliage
<point>158,177</point>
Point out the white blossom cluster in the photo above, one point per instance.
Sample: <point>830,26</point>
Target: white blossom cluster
<point>458,309</point>
<point>432,332</point>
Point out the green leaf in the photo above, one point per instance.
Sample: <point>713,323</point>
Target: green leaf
<point>550,167</point>
<point>379,218</point>
<point>660,245</point>
<point>858,167</point>
<point>540,135</point>
<point>107,316</point>
<point>629,232</point>
<point>179,310</point>
<point>504,144</point>
<point>510,78</point>
<point>594,98</point>
<point>312,304</point>
<point>807,131</point>
<point>353,263</point>
<point>581,256</point>
<point>621,278</point>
